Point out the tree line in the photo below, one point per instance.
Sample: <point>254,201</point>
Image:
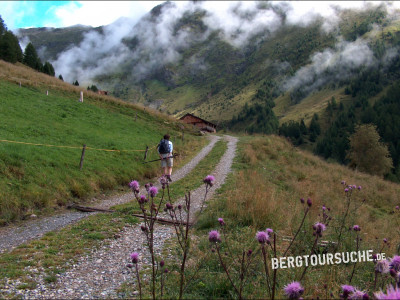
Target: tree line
<point>10,51</point>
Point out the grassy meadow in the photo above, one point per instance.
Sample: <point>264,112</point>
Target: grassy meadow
<point>270,176</point>
<point>40,178</point>
<point>54,252</point>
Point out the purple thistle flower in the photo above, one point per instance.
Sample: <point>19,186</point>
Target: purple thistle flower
<point>359,187</point>
<point>153,191</point>
<point>385,240</point>
<point>354,186</point>
<point>143,228</point>
<point>142,199</point>
<point>169,206</point>
<point>179,207</point>
<point>358,295</point>
<point>135,257</point>
<point>302,200</point>
<point>319,228</point>
<point>250,252</point>
<point>397,207</point>
<point>147,186</point>
<point>269,231</point>
<point>395,263</point>
<point>347,289</point>
<point>346,190</point>
<point>209,180</point>
<point>164,182</point>
<point>391,293</point>
<point>309,202</point>
<point>221,221</point>
<point>134,185</point>
<point>293,290</point>
<point>323,207</point>
<point>214,236</point>
<point>162,263</point>
<point>393,273</point>
<point>262,237</point>
<point>356,228</point>
<point>382,267</point>
<point>343,182</point>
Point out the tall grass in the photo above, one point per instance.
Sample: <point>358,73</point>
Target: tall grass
<point>264,191</point>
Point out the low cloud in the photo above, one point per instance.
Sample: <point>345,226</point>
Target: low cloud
<point>332,65</point>
<point>158,42</point>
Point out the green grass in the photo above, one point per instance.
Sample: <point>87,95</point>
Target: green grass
<point>34,178</point>
<point>195,178</point>
<point>190,182</point>
<point>55,250</point>
<point>269,177</point>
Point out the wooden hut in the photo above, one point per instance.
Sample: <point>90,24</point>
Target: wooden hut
<point>203,125</point>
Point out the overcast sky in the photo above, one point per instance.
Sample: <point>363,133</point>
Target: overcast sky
<point>24,14</point>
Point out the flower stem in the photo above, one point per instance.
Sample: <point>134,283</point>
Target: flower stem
<point>138,279</point>
<point>312,250</point>
<point>275,270</point>
<point>227,273</point>
<point>343,222</point>
<point>354,267</point>
<point>302,221</point>
<point>266,269</point>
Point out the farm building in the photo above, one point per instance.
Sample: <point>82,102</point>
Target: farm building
<point>203,125</point>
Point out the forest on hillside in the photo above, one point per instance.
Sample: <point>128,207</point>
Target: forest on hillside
<point>10,51</point>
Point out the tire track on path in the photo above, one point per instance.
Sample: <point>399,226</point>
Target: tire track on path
<point>15,235</point>
<point>100,273</point>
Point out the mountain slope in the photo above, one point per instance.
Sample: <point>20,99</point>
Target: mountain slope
<point>178,60</point>
<point>42,138</point>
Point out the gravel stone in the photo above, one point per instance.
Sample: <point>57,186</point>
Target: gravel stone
<point>100,273</point>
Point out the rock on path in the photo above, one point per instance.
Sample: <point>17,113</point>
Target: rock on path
<point>100,273</point>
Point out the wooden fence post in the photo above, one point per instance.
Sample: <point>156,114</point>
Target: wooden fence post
<point>47,93</point>
<point>145,154</point>
<point>82,157</point>
<point>81,98</point>
<point>20,84</point>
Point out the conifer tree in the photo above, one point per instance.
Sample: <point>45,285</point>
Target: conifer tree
<point>48,69</point>
<point>30,56</point>
<point>3,27</point>
<point>10,49</point>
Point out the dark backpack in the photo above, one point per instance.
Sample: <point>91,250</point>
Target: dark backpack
<point>164,147</point>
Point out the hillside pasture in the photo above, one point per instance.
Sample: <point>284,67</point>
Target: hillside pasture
<point>43,135</point>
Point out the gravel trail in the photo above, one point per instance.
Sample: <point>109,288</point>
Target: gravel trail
<point>14,235</point>
<point>99,274</point>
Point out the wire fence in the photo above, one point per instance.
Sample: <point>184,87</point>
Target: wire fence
<point>84,148</point>
<point>76,147</point>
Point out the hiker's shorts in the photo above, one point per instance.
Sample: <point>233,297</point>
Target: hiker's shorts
<point>169,162</point>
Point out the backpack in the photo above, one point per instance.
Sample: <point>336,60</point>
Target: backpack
<point>164,147</point>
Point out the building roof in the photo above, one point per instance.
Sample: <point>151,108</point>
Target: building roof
<point>207,122</point>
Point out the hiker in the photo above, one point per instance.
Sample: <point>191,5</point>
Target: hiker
<point>164,149</point>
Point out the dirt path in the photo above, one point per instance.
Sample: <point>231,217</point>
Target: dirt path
<point>100,273</point>
<point>14,235</point>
